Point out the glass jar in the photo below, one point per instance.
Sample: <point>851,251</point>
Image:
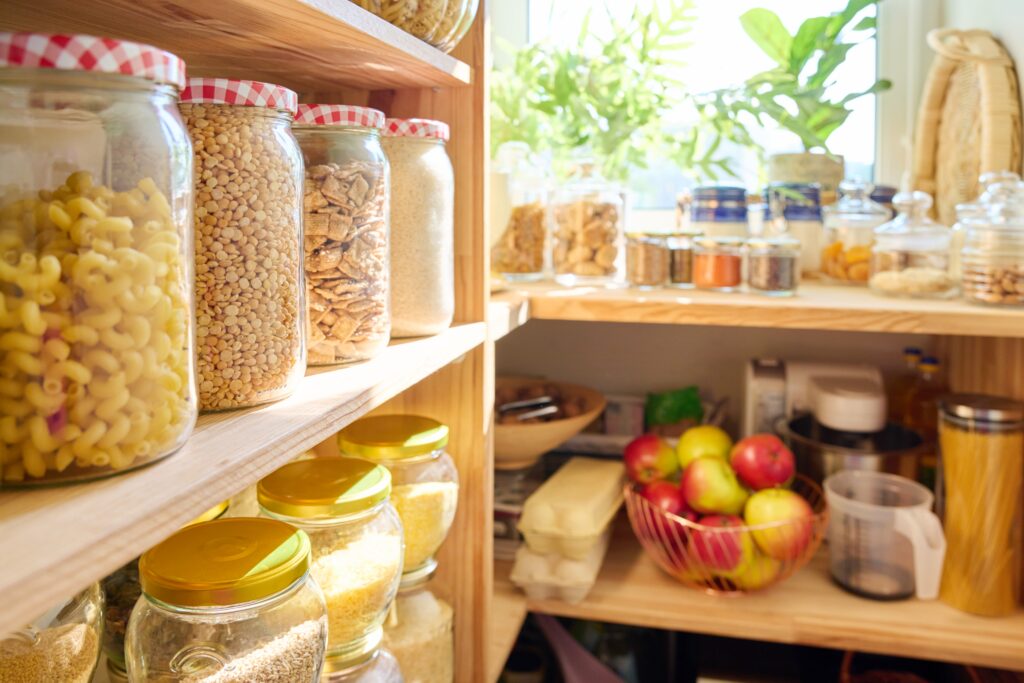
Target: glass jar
<point>680,253</point>
<point>719,211</point>
<point>419,634</point>
<point>228,601</point>
<point>465,23</point>
<point>454,12</point>
<point>380,667</point>
<point>910,257</point>
<point>795,209</point>
<point>422,227</point>
<point>95,281</point>
<point>773,265</point>
<point>425,483</point>
<point>647,260</point>
<point>519,200</point>
<point>992,259</point>
<point>718,263</point>
<point>982,441</point>
<point>850,233</point>
<point>882,195</point>
<point>250,300</point>
<point>356,537</point>
<point>121,592</point>
<point>420,18</point>
<point>588,237</point>
<point>61,646</point>
<point>968,215</point>
<point>345,240</point>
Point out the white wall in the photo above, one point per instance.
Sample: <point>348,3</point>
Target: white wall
<point>1004,18</point>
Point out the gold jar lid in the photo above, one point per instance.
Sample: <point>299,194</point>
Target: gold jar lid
<point>393,437</point>
<point>211,514</point>
<point>324,487</point>
<point>225,562</point>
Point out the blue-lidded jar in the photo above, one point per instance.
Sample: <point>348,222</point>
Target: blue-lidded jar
<point>719,211</point>
<point>795,209</point>
<point>883,194</point>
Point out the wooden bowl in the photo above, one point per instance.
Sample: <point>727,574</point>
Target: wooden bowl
<point>520,445</point>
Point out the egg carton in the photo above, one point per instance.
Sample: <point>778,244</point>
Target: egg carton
<point>545,576</point>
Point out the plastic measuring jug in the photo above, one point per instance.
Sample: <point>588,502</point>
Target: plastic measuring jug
<point>884,540</point>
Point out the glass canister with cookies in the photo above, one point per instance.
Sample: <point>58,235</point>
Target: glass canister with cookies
<point>588,241</point>
<point>345,210</point>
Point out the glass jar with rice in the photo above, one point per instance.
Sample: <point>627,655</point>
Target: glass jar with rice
<point>419,634</point>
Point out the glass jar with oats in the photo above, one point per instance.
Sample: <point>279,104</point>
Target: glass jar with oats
<point>96,196</point>
<point>345,244</point>
<point>250,303</point>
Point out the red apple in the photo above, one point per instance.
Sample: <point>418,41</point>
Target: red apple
<point>710,487</point>
<point>702,442</point>
<point>669,497</point>
<point>761,571</point>
<point>670,534</point>
<point>648,458</point>
<point>722,550</point>
<point>762,461</point>
<point>790,521</point>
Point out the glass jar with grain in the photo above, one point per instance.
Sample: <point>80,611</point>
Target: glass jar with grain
<point>718,263</point>
<point>345,242</point>
<point>773,265</point>
<point>96,197</point>
<point>647,260</point>
<point>419,633</point>
<point>250,299</point>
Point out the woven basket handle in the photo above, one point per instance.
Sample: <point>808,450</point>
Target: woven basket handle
<point>967,46</point>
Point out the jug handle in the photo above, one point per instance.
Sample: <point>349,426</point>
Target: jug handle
<point>924,530</point>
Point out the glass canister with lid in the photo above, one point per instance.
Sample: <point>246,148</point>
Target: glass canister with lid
<point>773,265</point>
<point>910,257</point>
<point>62,645</point>
<point>795,209</point>
<point>588,237</point>
<point>718,211</point>
<point>850,232</point>
<point>228,601</point>
<point>424,481</point>
<point>419,634</point>
<point>379,666</point>
<point>96,204</point>
<point>992,260</point>
<point>648,260</point>
<point>250,299</point>
<point>519,202</point>
<point>345,207</point>
<point>422,227</point>
<point>356,537</point>
<point>718,263</point>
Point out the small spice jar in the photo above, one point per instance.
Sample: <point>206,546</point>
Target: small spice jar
<point>425,483</point>
<point>380,666</point>
<point>718,263</point>
<point>773,265</point>
<point>795,209</point>
<point>910,257</point>
<point>225,601</point>
<point>422,227</point>
<point>95,253</point>
<point>250,299</point>
<point>647,260</point>
<point>345,220</point>
<point>419,634</point>
<point>62,645</point>
<point>719,211</point>
<point>850,233</point>
<point>587,240</point>
<point>680,254</point>
<point>882,195</point>
<point>356,537</point>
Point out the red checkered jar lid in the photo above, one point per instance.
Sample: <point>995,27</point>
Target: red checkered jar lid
<point>416,128</point>
<point>339,115</point>
<point>239,93</point>
<point>88,53</point>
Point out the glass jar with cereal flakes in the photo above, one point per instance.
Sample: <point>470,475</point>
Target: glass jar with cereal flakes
<point>849,233</point>
<point>345,245</point>
<point>425,483</point>
<point>588,236</point>
<point>250,303</point>
<point>228,601</point>
<point>96,373</point>
<point>356,536</point>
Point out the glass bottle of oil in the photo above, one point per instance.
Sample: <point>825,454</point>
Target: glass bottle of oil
<point>903,383</point>
<point>923,413</point>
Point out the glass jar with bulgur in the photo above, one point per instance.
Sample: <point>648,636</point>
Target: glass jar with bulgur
<point>519,202</point>
<point>250,303</point>
<point>424,481</point>
<point>849,226</point>
<point>588,237</point>
<point>356,536</point>
<point>345,242</point>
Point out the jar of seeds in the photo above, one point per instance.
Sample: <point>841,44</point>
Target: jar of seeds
<point>680,255</point>
<point>647,260</point>
<point>773,265</point>
<point>250,310</point>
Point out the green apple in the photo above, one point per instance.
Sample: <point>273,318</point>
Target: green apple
<point>760,572</point>
<point>787,520</point>
<point>711,488</point>
<point>701,442</point>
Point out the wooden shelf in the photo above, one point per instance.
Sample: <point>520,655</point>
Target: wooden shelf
<point>57,540</point>
<point>508,612</point>
<point>506,312</point>
<point>817,307</point>
<point>807,609</point>
<point>308,45</point>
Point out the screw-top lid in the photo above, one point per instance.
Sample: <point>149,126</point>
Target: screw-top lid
<point>928,363</point>
<point>883,194</point>
<point>72,52</point>
<point>912,352</point>
<point>225,562</point>
<point>416,128</point>
<point>393,437</point>
<point>213,513</point>
<point>239,93</point>
<point>724,193</point>
<point>324,487</point>
<point>339,115</point>
<point>982,408</point>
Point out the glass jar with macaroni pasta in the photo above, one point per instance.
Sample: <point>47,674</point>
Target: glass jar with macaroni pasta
<point>96,197</point>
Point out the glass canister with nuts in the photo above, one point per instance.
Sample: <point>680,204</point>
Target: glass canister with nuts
<point>250,304</point>
<point>345,247</point>
<point>992,259</point>
<point>588,234</point>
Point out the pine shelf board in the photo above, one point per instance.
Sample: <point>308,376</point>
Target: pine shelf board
<point>310,45</point>
<point>54,541</point>
<point>807,609</point>
<point>508,612</point>
<point>506,312</point>
<point>817,307</point>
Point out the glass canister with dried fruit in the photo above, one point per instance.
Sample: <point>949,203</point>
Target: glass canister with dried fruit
<point>718,263</point>
<point>356,537</point>
<point>519,201</point>
<point>910,257</point>
<point>849,233</point>
<point>588,236</point>
<point>345,207</point>
<point>96,197</point>
<point>250,303</point>
<point>425,483</point>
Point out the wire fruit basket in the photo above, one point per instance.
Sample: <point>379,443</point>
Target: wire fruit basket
<point>729,559</point>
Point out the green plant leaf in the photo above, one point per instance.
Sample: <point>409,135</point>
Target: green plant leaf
<point>881,86</point>
<point>839,20</point>
<point>866,24</point>
<point>767,30</point>
<point>831,59</point>
<point>807,38</point>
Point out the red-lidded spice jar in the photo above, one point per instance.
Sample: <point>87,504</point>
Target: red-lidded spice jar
<point>718,263</point>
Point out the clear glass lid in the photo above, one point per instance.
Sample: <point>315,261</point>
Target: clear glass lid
<point>855,206</point>
<point>912,228</point>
